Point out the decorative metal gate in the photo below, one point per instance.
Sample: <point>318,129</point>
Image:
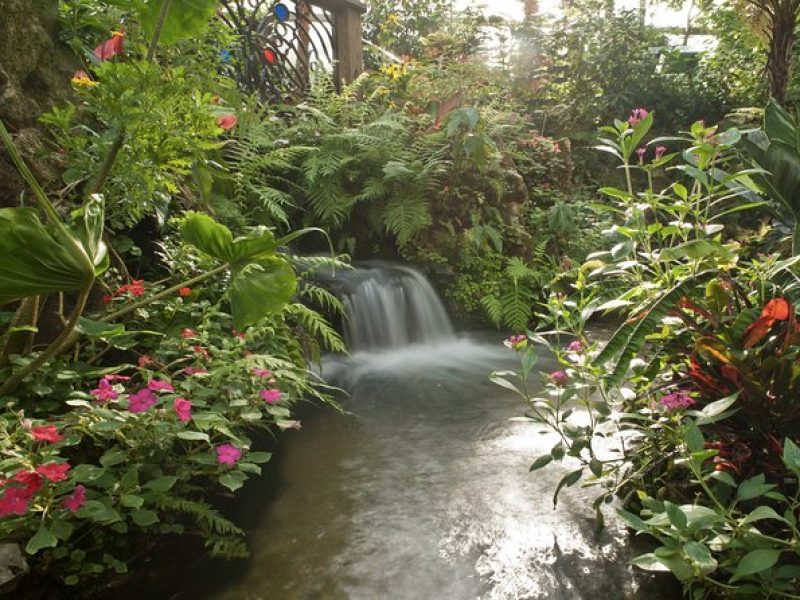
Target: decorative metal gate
<point>280,44</point>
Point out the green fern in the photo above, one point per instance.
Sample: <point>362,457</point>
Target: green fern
<point>406,217</point>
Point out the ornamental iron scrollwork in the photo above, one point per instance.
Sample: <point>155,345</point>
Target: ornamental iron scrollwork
<point>279,45</point>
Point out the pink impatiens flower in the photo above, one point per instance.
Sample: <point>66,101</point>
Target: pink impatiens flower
<point>660,151</point>
<point>677,400</point>
<point>188,333</point>
<point>104,391</point>
<point>158,385</point>
<point>228,454</point>
<point>560,378</point>
<point>54,472</point>
<point>183,408</point>
<point>46,433</point>
<point>194,371</point>
<point>575,347</point>
<point>76,500</point>
<point>271,396</point>
<point>14,501</point>
<point>142,401</point>
<point>637,116</point>
<point>262,372</point>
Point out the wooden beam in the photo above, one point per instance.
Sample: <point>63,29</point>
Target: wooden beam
<point>343,5</point>
<point>349,45</point>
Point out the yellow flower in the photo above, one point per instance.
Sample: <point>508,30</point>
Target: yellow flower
<point>82,79</point>
<point>393,19</point>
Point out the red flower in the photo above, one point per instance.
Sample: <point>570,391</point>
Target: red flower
<point>202,351</point>
<point>185,292</point>
<point>777,309</point>
<point>227,121</point>
<point>145,361</point>
<point>14,501</point>
<point>188,333</point>
<point>239,334</point>
<point>30,480</point>
<point>46,433</point>
<point>107,299</point>
<point>135,287</point>
<point>76,500</point>
<point>54,472</point>
<point>111,47</point>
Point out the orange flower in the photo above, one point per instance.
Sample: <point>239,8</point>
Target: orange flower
<point>82,79</point>
<point>777,309</point>
<point>184,292</point>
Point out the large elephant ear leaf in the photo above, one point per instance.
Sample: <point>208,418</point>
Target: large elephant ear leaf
<point>262,243</point>
<point>260,289</point>
<point>37,259</point>
<point>779,125</point>
<point>185,18</point>
<point>87,225</point>
<point>204,233</point>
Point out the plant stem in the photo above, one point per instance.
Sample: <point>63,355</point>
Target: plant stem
<point>52,350</point>
<point>168,292</point>
<point>162,17</point>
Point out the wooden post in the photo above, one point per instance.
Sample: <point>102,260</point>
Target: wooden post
<point>348,45</point>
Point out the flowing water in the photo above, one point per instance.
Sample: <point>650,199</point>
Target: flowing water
<point>423,490</point>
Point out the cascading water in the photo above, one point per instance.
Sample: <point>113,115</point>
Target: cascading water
<point>389,306</point>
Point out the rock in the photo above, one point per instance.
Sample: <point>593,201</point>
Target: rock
<point>12,563</point>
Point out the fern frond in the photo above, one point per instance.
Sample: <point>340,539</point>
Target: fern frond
<point>406,217</point>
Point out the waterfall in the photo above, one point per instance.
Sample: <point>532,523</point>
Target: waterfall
<point>390,306</point>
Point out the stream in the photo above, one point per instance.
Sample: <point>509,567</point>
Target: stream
<point>422,490</point>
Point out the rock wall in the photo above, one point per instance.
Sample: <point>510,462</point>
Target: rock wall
<point>35,72</point>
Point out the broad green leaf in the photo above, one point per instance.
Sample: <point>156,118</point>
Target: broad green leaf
<point>185,19</point>
<point>99,512</point>
<point>540,462</point>
<point>676,516</point>
<point>701,556</point>
<point>715,411</point>
<point>791,455</point>
<point>194,436</point>
<point>233,481</point>
<point>568,480</point>
<point>632,520</point>
<point>260,289</point>
<point>696,250</point>
<point>762,513</point>
<point>259,457</point>
<point>756,562</point>
<point>753,488</point>
<point>144,518</point>
<point>693,437</point>
<point>61,529</point>
<point>161,484</point>
<point>204,233</point>
<point>43,538</point>
<point>131,501</point>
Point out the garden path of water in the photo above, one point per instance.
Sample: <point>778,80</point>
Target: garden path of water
<point>421,490</point>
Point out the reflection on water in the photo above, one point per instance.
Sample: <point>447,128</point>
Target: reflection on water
<point>423,492</point>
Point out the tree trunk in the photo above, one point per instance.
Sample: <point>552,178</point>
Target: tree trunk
<point>531,9</point>
<point>642,12</point>
<point>781,48</point>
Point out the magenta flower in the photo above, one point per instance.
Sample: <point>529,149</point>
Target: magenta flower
<point>113,378</point>
<point>575,347</point>
<point>677,400</point>
<point>262,372</point>
<point>271,396</point>
<point>142,401</point>
<point>660,151</point>
<point>516,342</point>
<point>560,378</point>
<point>637,115</point>
<point>641,152</point>
<point>157,385</point>
<point>228,454</point>
<point>183,408</point>
<point>104,391</point>
<point>76,500</point>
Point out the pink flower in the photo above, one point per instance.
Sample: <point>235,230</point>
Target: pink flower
<point>576,346</point>
<point>516,342</point>
<point>271,396</point>
<point>54,472</point>
<point>660,151</point>
<point>111,47</point>
<point>183,408</point>
<point>641,152</point>
<point>142,401</point>
<point>145,361</point>
<point>228,454</point>
<point>637,115</point>
<point>157,385</point>
<point>76,500</point>
<point>104,391</point>
<point>677,400</point>
<point>46,433</point>
<point>262,372</point>
<point>188,333</point>
<point>201,351</point>
<point>194,371</point>
<point>227,121</point>
<point>560,378</point>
